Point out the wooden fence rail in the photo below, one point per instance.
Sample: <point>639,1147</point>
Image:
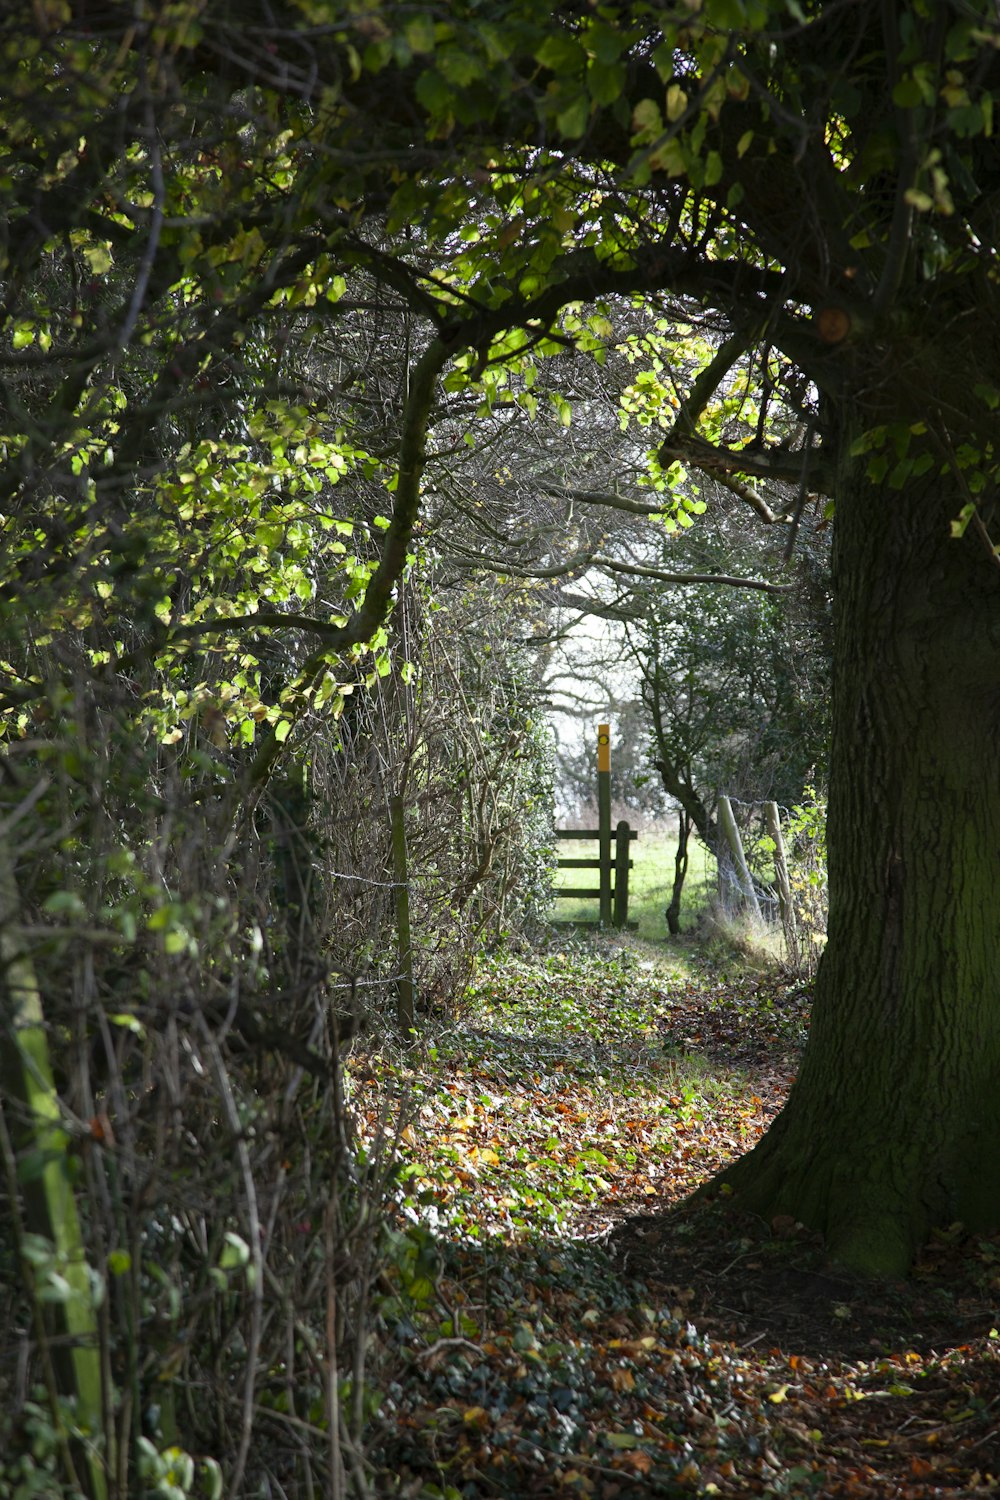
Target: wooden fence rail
<point>612,862</point>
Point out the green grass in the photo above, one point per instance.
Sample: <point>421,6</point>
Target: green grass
<point>650,883</point>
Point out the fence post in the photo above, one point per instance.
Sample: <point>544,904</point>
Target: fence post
<point>782,882</point>
<point>621,874</point>
<point>604,818</point>
<point>732,834</point>
<point>404,984</point>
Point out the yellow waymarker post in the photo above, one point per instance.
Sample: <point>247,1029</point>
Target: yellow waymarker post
<point>604,817</point>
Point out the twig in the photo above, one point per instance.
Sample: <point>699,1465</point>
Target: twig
<point>256,1257</point>
<point>449,1343</point>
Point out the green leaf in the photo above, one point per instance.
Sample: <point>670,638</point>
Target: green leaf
<point>725,15</point>
<point>213,1483</point>
<point>235,1252</point>
<point>606,81</point>
<point>572,121</point>
<point>435,94</point>
<point>646,119</point>
<point>560,53</point>
<point>37,1250</point>
<point>907,94</point>
<point>65,904</point>
<point>677,102</point>
<point>419,34</point>
<point>459,67</point>
<point>98,258</point>
<point>605,42</point>
<point>127,1022</point>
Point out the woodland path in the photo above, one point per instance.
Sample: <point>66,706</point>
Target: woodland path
<point>565,1327</point>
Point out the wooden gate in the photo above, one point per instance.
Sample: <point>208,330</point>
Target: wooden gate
<point>613,860</point>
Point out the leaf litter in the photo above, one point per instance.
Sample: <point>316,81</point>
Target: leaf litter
<point>557,1321</point>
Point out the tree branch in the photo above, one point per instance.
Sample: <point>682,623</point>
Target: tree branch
<point>744,492</point>
<point>603,611</point>
<point>398,538</point>
<point>613,501</point>
<point>581,561</point>
<point>775,462</point>
<point>634,570</point>
<point>706,384</point>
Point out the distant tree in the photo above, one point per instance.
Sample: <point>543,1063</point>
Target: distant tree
<point>635,790</point>
<point>736,690</point>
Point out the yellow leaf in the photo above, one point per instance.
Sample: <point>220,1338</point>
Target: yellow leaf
<point>98,257</point>
<point>779,1395</point>
<point>669,158</point>
<point>676,102</point>
<point>646,119</point>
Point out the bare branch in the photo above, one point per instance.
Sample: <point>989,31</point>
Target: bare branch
<point>634,570</point>
<point>604,497</point>
<point>582,561</point>
<point>777,462</point>
<point>744,492</point>
<point>604,611</point>
<point>615,501</point>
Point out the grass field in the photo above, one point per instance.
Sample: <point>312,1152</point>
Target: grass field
<point>650,882</point>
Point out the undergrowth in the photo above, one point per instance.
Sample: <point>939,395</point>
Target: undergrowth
<point>575,1101</point>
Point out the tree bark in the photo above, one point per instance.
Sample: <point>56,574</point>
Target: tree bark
<point>673,911</point>
<point>893,1125</point>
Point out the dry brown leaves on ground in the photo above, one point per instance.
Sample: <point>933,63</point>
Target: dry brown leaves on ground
<point>555,1322</point>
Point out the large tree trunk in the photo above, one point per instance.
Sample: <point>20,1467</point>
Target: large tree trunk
<point>893,1125</point>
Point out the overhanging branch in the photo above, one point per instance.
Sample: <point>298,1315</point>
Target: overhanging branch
<point>601,609</point>
<point>606,498</point>
<point>582,561</point>
<point>614,501</point>
<point>792,465</point>
<point>725,580</point>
